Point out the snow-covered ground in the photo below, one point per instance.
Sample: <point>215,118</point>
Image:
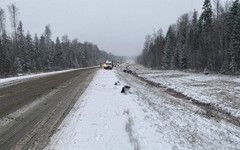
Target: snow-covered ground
<point>146,119</point>
<point>220,90</point>
<point>102,119</point>
<point>97,121</point>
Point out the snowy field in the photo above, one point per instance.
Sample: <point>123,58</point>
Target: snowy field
<point>146,119</point>
<point>221,91</point>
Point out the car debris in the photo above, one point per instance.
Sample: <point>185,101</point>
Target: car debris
<point>117,83</point>
<point>126,89</point>
<point>206,71</point>
<point>129,71</point>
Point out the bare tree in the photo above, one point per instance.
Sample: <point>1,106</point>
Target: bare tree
<point>2,21</point>
<point>217,9</point>
<point>65,39</point>
<point>48,34</point>
<point>14,13</point>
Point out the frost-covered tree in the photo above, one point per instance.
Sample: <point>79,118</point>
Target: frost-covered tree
<point>236,41</point>
<point>211,41</point>
<point>3,51</point>
<point>20,60</point>
<point>206,17</point>
<point>206,35</point>
<point>6,54</point>
<point>167,55</point>
<point>67,55</point>
<point>2,21</point>
<point>30,56</point>
<point>169,47</point>
<point>193,41</point>
<point>46,47</point>
<point>21,54</point>
<point>182,38</point>
<point>58,55</point>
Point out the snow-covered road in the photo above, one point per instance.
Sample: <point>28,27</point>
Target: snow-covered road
<point>21,78</point>
<point>146,119</point>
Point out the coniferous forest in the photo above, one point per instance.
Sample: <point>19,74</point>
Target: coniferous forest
<point>207,41</point>
<point>20,52</point>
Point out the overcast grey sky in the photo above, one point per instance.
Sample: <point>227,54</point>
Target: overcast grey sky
<point>116,26</point>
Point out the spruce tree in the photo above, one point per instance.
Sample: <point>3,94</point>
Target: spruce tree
<point>167,55</point>
<point>20,61</point>
<point>236,41</point>
<point>30,54</point>
<point>58,56</point>
<point>8,55</point>
<point>206,23</point>
<point>169,47</point>
<point>206,16</point>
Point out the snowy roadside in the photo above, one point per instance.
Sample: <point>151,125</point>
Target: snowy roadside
<point>10,80</point>
<point>103,119</point>
<point>220,90</point>
<point>146,119</point>
<point>179,122</point>
<point>96,120</point>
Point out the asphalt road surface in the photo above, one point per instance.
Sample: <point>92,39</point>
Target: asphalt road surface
<point>54,96</point>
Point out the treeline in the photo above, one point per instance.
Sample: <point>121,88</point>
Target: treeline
<point>22,53</point>
<point>209,41</point>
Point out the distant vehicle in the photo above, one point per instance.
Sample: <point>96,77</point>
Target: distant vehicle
<point>117,64</point>
<point>108,65</point>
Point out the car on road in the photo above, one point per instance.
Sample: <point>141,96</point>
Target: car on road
<point>108,65</point>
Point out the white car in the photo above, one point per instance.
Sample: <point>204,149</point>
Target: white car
<point>108,65</point>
